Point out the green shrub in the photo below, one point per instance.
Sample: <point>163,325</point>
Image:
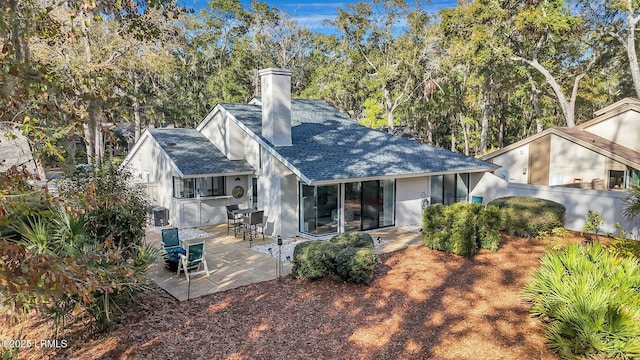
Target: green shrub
<point>528,217</point>
<point>354,239</point>
<point>589,300</point>
<point>313,260</point>
<point>623,245</point>
<point>350,255</point>
<point>489,223</point>
<point>356,264</point>
<point>434,228</point>
<point>462,234</point>
<point>461,228</point>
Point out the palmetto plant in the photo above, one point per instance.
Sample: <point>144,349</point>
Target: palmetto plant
<point>55,235</point>
<point>589,300</point>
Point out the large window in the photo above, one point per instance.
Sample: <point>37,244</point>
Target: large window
<point>207,186</point>
<point>212,186</point>
<point>184,188</point>
<point>450,188</point>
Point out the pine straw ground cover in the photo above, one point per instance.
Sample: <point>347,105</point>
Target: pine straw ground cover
<point>422,304</point>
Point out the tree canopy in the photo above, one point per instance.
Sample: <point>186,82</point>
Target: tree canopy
<point>471,78</point>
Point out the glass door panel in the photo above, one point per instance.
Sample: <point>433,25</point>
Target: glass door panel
<point>449,189</point>
<point>308,209</point>
<point>327,209</point>
<point>254,193</point>
<point>387,197</point>
<point>352,206</point>
<point>370,205</point>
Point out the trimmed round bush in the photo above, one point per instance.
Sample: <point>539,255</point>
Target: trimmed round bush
<point>313,260</point>
<point>354,239</point>
<point>356,265</point>
<point>528,217</point>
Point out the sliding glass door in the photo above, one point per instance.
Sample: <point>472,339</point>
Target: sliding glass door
<point>319,209</point>
<point>352,206</point>
<point>369,205</point>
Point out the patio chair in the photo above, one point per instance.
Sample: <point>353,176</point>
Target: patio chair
<point>232,218</point>
<point>170,241</point>
<point>251,223</point>
<point>194,259</point>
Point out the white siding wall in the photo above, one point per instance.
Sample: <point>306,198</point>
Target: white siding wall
<point>569,161</point>
<point>151,166</point>
<point>235,141</point>
<point>215,131</point>
<point>277,196</point>
<point>409,195</point>
<point>609,204</point>
<point>622,129</point>
<point>512,163</point>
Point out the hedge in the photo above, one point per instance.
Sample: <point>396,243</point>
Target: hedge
<point>529,217</point>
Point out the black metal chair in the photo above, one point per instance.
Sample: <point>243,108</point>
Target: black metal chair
<point>232,219</point>
<point>250,224</point>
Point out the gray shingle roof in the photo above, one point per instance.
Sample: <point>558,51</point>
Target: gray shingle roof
<point>194,154</point>
<point>328,145</point>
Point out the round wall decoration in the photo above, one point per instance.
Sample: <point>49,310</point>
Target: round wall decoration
<point>237,192</point>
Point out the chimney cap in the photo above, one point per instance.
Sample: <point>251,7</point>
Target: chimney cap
<point>274,71</point>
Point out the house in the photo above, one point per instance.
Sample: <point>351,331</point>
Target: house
<point>313,170</point>
<point>603,153</point>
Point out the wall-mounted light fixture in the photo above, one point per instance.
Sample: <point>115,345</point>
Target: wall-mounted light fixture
<point>237,179</point>
<point>524,171</point>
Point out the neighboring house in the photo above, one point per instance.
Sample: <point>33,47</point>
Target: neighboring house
<point>313,170</point>
<point>603,153</point>
<point>15,150</point>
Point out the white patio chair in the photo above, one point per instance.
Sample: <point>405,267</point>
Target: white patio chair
<point>194,259</point>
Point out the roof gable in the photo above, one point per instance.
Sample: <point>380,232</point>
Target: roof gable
<point>582,138</point>
<point>193,154</point>
<point>615,109</point>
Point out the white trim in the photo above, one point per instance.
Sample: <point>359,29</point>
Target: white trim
<point>217,175</point>
<point>394,177</point>
<point>147,135</point>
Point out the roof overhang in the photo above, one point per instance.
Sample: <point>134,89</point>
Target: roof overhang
<point>241,173</point>
<point>400,176</point>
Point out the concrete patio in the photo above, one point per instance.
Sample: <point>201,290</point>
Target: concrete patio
<point>233,264</point>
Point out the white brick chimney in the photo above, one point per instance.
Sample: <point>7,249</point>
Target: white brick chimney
<point>276,105</point>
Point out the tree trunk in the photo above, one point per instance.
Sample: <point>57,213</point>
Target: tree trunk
<point>136,107</point>
<point>93,133</point>
<point>485,126</point>
<point>465,133</point>
<point>535,93</point>
<point>453,137</point>
<point>567,106</point>
<point>631,49</point>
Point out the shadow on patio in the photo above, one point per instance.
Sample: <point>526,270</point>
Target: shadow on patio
<point>233,264</point>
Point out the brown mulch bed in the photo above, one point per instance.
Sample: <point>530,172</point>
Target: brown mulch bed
<point>423,304</point>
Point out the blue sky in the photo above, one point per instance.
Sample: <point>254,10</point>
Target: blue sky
<point>311,13</point>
